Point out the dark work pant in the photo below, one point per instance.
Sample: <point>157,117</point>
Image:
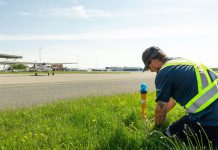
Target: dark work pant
<point>184,128</point>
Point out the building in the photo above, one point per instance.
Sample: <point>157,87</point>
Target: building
<point>58,67</point>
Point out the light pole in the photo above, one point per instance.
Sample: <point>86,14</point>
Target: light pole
<point>40,54</point>
<point>78,62</point>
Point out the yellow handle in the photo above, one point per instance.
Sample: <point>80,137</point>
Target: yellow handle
<point>143,105</point>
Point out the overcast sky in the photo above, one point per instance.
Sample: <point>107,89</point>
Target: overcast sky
<point>102,33</point>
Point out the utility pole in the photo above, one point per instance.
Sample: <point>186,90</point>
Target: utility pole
<point>40,48</point>
<point>78,62</point>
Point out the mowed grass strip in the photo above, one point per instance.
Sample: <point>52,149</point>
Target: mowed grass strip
<point>105,122</point>
<point>68,72</point>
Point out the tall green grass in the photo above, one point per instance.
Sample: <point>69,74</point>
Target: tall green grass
<point>104,122</point>
<point>68,72</point>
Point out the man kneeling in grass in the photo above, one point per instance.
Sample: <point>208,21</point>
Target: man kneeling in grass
<point>194,86</point>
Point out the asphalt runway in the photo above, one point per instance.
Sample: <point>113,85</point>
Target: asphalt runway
<point>25,90</point>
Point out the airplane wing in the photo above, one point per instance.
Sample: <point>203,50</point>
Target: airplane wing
<point>61,63</point>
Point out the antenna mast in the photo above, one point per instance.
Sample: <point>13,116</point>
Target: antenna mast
<point>40,54</point>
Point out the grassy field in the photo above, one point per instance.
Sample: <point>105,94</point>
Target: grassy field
<point>68,72</point>
<point>105,122</point>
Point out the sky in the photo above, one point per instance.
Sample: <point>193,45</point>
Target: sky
<point>103,33</point>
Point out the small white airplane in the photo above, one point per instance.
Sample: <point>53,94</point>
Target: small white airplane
<point>37,66</point>
<point>44,67</point>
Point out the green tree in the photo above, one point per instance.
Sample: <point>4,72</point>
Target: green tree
<point>18,66</point>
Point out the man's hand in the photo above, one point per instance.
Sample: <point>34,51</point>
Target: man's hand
<point>160,113</point>
<point>162,108</point>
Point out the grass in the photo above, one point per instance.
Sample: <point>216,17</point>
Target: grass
<point>104,122</point>
<point>68,72</point>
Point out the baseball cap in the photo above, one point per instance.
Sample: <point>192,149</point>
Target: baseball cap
<point>148,54</point>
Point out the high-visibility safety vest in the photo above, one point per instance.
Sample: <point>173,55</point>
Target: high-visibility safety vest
<point>207,89</point>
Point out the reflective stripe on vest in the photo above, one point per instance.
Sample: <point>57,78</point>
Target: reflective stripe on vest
<point>203,99</point>
<point>207,90</point>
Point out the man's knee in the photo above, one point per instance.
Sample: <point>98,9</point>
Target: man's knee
<point>185,130</point>
<point>180,128</point>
